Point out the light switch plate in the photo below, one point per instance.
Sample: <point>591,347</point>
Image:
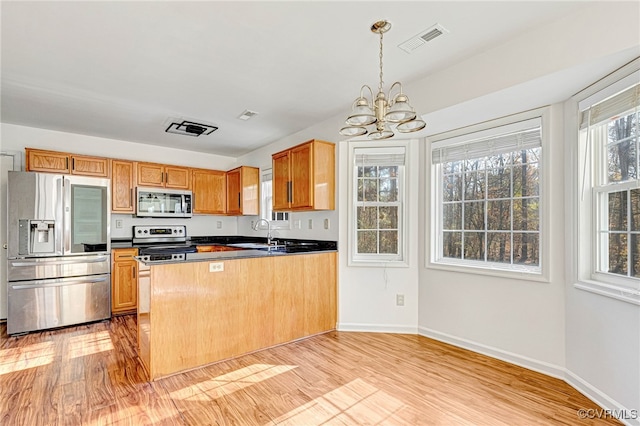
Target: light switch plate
<point>119,223</point>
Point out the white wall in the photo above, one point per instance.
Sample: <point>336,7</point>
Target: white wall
<point>516,319</point>
<point>602,333</point>
<point>591,341</point>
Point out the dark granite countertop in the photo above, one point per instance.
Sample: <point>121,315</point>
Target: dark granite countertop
<point>284,247</point>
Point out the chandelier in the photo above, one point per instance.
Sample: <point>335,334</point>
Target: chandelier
<point>381,110</point>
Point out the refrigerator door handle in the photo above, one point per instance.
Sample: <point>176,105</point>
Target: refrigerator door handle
<point>57,283</point>
<point>93,259</point>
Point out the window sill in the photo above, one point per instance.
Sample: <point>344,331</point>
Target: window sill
<point>623,294</point>
<point>377,264</point>
<point>494,272</point>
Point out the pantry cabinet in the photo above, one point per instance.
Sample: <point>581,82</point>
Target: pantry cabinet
<point>304,177</point>
<point>243,191</point>
<point>124,281</point>
<point>209,191</point>
<point>163,176</point>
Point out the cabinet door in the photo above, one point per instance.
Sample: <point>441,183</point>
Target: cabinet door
<point>250,188</point>
<point>281,181</point>
<point>301,178</point>
<point>89,166</point>
<point>234,198</point>
<point>47,161</point>
<point>150,174</point>
<point>122,184</point>
<point>209,191</point>
<point>124,286</point>
<point>177,177</point>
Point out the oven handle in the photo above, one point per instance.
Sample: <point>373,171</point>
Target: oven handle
<point>93,259</point>
<point>58,283</point>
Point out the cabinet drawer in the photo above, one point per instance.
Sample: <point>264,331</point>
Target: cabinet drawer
<point>124,254</point>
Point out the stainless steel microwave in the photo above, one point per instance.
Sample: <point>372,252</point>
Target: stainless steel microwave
<point>160,202</point>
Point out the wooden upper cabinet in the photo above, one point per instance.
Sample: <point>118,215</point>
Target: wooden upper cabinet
<point>122,186</point>
<point>89,166</point>
<point>163,176</point>
<point>61,162</point>
<point>209,191</point>
<point>304,177</point>
<point>47,161</point>
<point>243,191</point>
<point>281,181</point>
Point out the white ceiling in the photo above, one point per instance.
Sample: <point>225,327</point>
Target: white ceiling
<point>125,70</point>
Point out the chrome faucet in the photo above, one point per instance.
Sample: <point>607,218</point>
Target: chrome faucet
<point>255,228</point>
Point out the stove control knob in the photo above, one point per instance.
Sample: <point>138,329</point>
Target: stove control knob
<point>145,231</point>
<point>139,231</point>
<point>180,231</point>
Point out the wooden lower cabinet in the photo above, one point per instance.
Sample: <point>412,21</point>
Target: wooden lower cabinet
<point>197,317</point>
<point>124,281</point>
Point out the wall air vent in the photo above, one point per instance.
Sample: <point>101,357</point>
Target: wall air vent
<point>422,38</point>
<point>189,128</point>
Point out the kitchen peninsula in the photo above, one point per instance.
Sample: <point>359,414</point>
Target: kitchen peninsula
<point>220,304</point>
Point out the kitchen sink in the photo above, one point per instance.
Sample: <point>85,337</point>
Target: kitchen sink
<point>257,245</point>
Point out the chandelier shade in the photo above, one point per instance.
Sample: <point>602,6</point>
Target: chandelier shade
<point>382,109</point>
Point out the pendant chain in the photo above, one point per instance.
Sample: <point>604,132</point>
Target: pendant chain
<point>381,82</point>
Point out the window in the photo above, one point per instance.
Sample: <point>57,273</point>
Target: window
<point>377,215</point>
<point>279,220</point>
<point>487,198</point>
<point>610,185</point>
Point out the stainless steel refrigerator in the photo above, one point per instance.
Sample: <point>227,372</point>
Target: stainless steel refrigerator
<point>59,262</point>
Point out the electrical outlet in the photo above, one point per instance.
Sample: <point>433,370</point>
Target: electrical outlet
<point>219,224</point>
<point>399,299</point>
<point>252,224</point>
<point>119,223</point>
<point>297,224</point>
<point>310,223</point>
<point>216,267</point>
<point>326,223</point>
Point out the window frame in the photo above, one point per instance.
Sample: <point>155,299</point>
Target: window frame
<point>434,202</point>
<point>581,213</point>
<point>379,259</point>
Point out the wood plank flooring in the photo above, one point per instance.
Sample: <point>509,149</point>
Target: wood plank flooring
<point>90,375</point>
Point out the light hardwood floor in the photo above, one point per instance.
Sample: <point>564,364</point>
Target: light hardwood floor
<point>89,375</point>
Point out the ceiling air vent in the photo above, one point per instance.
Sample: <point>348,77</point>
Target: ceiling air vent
<point>247,114</point>
<point>422,38</point>
<point>190,128</point>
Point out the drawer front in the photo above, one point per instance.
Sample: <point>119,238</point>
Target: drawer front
<point>124,254</point>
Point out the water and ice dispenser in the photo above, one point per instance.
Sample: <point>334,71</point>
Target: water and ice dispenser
<point>37,237</point>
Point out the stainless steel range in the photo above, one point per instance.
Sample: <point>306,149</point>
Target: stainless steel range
<point>162,242</point>
<point>58,260</point>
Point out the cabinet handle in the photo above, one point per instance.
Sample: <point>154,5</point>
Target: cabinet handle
<point>161,176</point>
<point>134,272</point>
<point>66,163</point>
<point>73,164</point>
<point>238,200</point>
<point>289,192</point>
<point>131,196</point>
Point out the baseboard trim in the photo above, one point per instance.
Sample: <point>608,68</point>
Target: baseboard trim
<point>529,363</point>
<point>602,399</point>
<point>378,328</point>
